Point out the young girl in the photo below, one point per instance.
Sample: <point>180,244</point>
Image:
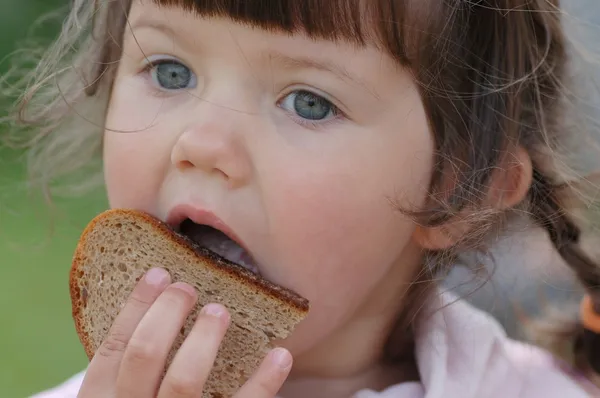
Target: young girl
<point>354,149</point>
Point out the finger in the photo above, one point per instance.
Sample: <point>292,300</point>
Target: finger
<point>101,375</point>
<point>269,377</point>
<point>194,360</point>
<point>144,359</point>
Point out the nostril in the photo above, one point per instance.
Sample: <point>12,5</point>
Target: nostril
<point>185,164</point>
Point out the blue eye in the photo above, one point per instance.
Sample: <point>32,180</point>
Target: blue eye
<point>309,106</point>
<point>172,75</point>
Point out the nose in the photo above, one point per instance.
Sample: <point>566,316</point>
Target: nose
<point>216,148</point>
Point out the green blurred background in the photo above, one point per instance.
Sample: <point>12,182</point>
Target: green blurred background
<point>38,344</point>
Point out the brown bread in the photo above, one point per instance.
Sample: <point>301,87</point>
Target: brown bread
<point>119,246</point>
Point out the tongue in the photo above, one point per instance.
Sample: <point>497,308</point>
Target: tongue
<point>219,243</point>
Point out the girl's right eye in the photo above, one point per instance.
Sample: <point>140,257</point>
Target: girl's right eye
<point>170,75</point>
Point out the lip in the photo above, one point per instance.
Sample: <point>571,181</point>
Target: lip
<point>204,217</point>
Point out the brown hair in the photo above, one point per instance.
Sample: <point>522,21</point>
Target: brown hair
<point>492,75</point>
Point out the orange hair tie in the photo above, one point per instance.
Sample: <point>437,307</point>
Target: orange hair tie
<point>589,317</point>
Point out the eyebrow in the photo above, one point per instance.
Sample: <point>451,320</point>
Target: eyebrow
<point>147,23</point>
<point>164,28</point>
<point>342,73</point>
<point>285,61</point>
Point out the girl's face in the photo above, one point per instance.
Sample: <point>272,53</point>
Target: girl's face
<point>299,146</point>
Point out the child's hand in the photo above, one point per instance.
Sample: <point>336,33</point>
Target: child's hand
<point>130,362</point>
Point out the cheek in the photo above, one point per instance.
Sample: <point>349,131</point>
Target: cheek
<point>135,150</point>
<point>131,181</point>
<point>352,228</point>
<point>340,237</point>
<point>337,215</point>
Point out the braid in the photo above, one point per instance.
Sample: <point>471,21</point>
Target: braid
<point>549,213</point>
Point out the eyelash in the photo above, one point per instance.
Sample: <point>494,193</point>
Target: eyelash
<point>315,125</point>
<point>338,114</point>
<point>146,72</point>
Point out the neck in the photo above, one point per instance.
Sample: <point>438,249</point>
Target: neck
<point>352,358</point>
<point>333,372</point>
<point>376,378</point>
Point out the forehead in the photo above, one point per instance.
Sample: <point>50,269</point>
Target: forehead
<point>378,22</point>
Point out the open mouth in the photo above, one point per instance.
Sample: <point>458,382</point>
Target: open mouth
<point>218,243</point>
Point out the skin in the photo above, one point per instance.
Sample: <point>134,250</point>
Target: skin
<point>310,200</point>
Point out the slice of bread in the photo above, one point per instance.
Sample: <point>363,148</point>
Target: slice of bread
<point>119,246</point>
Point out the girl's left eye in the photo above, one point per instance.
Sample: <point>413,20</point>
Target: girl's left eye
<point>172,75</point>
<point>309,106</point>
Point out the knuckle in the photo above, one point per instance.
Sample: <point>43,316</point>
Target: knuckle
<point>138,351</point>
<point>266,386</point>
<point>138,300</point>
<point>180,386</point>
<point>115,343</point>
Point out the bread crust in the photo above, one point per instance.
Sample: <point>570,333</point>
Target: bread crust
<point>79,295</point>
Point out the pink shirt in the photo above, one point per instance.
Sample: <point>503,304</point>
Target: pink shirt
<point>461,353</point>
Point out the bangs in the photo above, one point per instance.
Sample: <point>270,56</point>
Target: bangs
<point>380,22</point>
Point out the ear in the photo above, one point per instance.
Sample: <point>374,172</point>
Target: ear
<point>512,180</point>
<point>509,186</point>
<point>441,237</point>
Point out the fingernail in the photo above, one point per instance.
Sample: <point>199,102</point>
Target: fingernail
<point>282,358</point>
<point>215,310</point>
<point>157,277</point>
